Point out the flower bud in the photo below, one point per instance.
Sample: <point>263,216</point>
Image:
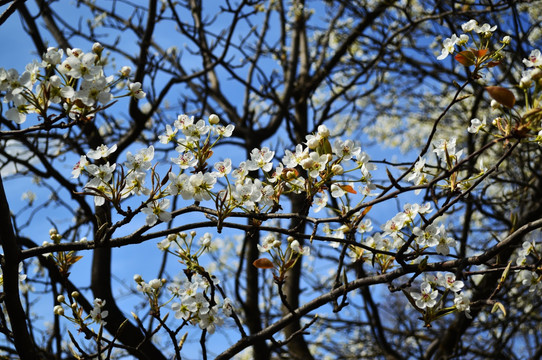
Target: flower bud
<point>312,143</point>
<point>172,237</point>
<point>97,48</point>
<point>536,74</point>
<point>506,40</point>
<point>155,284</point>
<point>192,233</point>
<point>214,119</point>
<point>75,294</point>
<point>495,104</point>
<point>525,82</point>
<point>125,71</point>
<point>138,278</point>
<point>58,310</point>
<point>323,131</point>
<point>60,298</point>
<point>337,169</point>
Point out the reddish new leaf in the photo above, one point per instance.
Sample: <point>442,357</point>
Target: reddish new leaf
<point>502,96</point>
<point>348,189</point>
<point>479,53</point>
<point>466,58</point>
<point>263,263</point>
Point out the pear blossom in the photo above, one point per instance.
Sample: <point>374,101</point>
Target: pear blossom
<point>469,26</point>
<point>224,131</point>
<point>320,201</point>
<point>444,242</point>
<point>156,210</point>
<point>314,164</point>
<point>427,236</point>
<point>448,47</point>
<point>337,191</point>
<point>169,136</point>
<point>485,30</point>
<point>534,59</point>
<point>180,185</point>
<point>365,226</point>
<point>19,110</point>
<point>426,297</point>
<point>202,184</point>
<point>136,91</point>
<point>476,125</point>
<point>296,247</point>
<point>462,303</point>
<point>345,149</point>
<point>292,159</point>
<point>141,161</point>
<point>270,241</point>
<point>223,168</point>
<point>185,160</point>
<point>97,314</point>
<point>260,159</point>
<point>449,282</point>
<point>101,151</point>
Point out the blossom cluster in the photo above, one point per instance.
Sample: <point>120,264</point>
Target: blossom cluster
<point>197,306</point>
<point>282,259</point>
<point>484,32</point>
<point>529,276</point>
<point>77,84</point>
<point>321,161</point>
<point>96,315</point>
<point>427,299</point>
